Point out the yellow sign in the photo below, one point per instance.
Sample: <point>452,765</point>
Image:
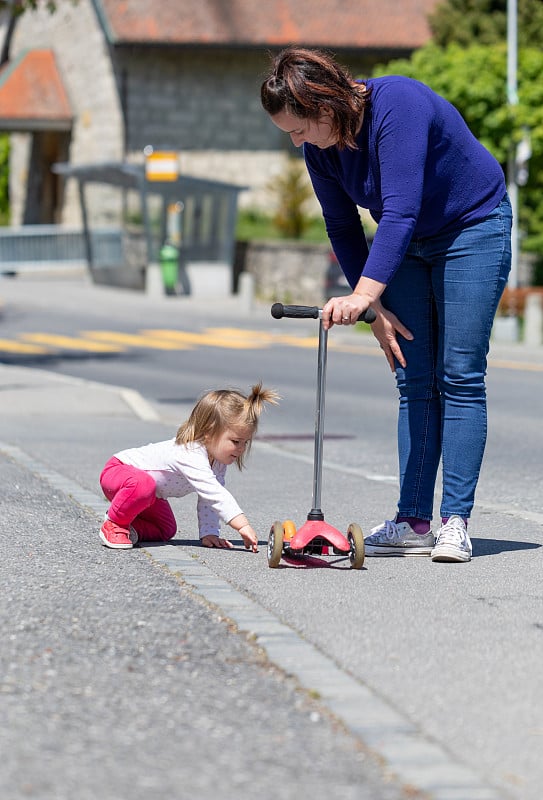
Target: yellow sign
<point>161,165</point>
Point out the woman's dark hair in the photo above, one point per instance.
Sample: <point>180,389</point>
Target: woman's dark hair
<point>304,82</point>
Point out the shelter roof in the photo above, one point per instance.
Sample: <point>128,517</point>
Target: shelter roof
<point>32,94</point>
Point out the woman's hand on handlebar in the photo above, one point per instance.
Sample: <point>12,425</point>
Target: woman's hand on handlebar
<point>344,310</point>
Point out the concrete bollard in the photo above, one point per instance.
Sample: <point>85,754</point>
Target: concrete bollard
<point>533,319</point>
<point>154,286</point>
<point>246,291</point>
<point>506,329</point>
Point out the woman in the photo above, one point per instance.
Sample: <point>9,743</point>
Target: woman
<point>435,273</point>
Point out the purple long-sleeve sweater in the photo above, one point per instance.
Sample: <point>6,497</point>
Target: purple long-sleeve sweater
<point>418,169</point>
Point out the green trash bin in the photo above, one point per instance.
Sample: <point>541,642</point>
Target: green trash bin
<point>169,266</point>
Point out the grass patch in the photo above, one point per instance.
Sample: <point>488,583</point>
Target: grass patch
<point>254,225</point>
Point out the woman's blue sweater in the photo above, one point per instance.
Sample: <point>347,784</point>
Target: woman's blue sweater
<point>418,169</point>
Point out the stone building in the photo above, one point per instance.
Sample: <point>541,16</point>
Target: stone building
<point>100,80</point>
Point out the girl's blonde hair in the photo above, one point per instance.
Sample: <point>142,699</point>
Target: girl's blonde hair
<point>220,409</point>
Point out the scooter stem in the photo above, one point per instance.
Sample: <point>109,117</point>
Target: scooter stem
<point>316,512</point>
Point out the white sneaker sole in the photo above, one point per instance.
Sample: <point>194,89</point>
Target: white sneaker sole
<point>450,554</point>
<point>115,546</point>
<point>375,550</point>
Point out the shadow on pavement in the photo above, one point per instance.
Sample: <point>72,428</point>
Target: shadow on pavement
<point>491,547</point>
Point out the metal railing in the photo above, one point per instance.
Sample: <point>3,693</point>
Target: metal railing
<point>35,247</point>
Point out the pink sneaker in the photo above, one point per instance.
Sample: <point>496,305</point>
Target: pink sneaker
<point>116,537</point>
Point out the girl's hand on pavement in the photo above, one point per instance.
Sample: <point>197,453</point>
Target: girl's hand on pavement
<point>216,541</point>
<point>250,539</point>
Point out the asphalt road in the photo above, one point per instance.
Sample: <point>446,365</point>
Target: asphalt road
<point>435,667</point>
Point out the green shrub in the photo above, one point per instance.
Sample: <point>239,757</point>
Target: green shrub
<point>291,192</point>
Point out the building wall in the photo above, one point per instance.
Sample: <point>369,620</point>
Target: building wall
<point>84,64</point>
<point>202,103</point>
<point>205,104</point>
<point>19,160</point>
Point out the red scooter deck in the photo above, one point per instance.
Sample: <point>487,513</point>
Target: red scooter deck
<point>318,528</point>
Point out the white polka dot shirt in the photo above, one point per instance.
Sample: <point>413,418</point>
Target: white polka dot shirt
<point>182,469</point>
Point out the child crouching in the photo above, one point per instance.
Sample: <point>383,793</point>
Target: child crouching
<point>138,481</point>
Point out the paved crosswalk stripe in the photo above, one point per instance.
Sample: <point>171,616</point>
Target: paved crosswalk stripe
<point>37,343</point>
<point>208,339</point>
<point>265,338</point>
<point>70,342</point>
<point>11,346</point>
<point>135,340</point>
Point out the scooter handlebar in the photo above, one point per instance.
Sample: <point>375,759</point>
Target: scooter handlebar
<point>278,311</point>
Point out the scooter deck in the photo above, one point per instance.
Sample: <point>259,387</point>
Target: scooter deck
<point>318,528</point>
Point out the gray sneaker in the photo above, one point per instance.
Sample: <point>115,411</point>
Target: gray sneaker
<point>398,539</point>
<point>452,542</point>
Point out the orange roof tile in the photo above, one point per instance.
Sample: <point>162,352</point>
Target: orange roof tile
<point>32,95</point>
<point>349,24</point>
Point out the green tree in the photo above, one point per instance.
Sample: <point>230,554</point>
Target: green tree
<point>474,79</point>
<point>11,11</point>
<point>467,22</point>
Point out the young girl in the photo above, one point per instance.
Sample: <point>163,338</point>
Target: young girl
<point>137,481</point>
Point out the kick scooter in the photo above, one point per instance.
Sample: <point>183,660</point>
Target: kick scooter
<point>315,535</point>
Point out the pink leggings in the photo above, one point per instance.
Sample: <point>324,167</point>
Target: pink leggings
<point>132,493</point>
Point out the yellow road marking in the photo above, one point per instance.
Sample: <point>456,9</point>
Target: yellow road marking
<point>9,346</point>
<point>523,365</point>
<point>70,342</point>
<point>366,350</point>
<point>243,334</point>
<point>299,341</point>
<point>223,337</point>
<point>265,338</point>
<point>135,340</point>
<point>206,339</point>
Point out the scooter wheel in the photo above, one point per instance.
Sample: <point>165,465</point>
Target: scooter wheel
<point>355,538</point>
<point>275,545</point>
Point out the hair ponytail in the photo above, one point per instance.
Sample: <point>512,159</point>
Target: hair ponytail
<point>256,400</point>
<point>220,409</point>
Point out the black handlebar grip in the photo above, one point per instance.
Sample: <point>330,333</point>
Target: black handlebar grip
<point>368,316</point>
<point>278,311</point>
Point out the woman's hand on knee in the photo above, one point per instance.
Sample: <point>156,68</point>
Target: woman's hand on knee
<point>386,328</point>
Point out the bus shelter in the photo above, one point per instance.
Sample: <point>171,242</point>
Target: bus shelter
<point>194,215</point>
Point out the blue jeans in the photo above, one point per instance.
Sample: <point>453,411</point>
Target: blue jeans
<point>446,292</point>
